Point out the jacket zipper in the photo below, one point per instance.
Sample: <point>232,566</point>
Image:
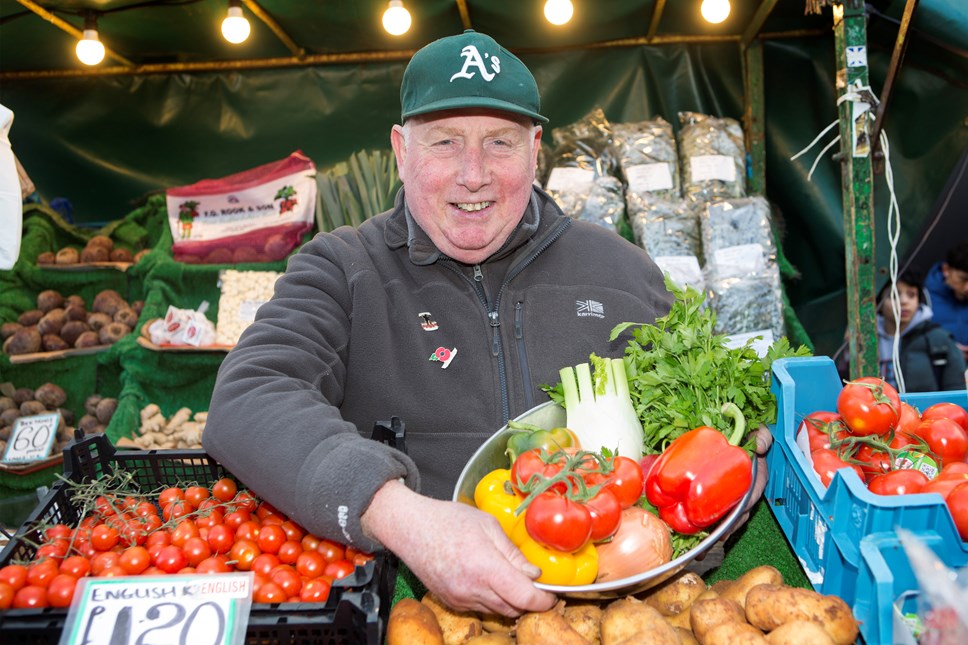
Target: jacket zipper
<point>493,315</point>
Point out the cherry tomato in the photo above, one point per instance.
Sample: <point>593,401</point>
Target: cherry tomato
<point>264,563</point>
<point>75,565</point>
<point>289,552</point>
<point>55,550</point>
<point>224,489</point>
<point>145,509</point>
<point>39,574</point>
<point>171,559</point>
<point>954,469</point>
<point>310,564</point>
<point>158,537</point>
<point>288,579</point>
<point>559,523</point>
<point>269,593</point>
<point>898,482</point>
<point>248,531</point>
<point>184,531</point>
<point>243,552</point>
<point>246,501</point>
<point>14,575</point>
<point>134,560</point>
<point>6,595</point>
<point>57,531</point>
<point>945,438</point>
<point>30,597</point>
<point>237,518</point>
<point>947,410</point>
<point>104,560</point>
<point>331,550</point>
<point>943,486</point>
<point>625,481</point>
<point>176,509</point>
<point>265,509</point>
<point>315,590</point>
<point>957,501</point>
<point>294,532</point>
<point>606,512</point>
<point>213,564</point>
<point>60,592</point>
<point>826,463</point>
<point>221,538</point>
<point>339,569</point>
<point>309,542</point>
<point>909,419</point>
<point>195,495</point>
<point>104,537</point>
<point>869,406</point>
<point>270,538</point>
<point>169,495</point>
<point>210,519</point>
<point>196,549</point>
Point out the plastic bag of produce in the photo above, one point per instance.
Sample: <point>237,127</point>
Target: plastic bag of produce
<point>737,222</point>
<point>713,157</point>
<point>583,179</point>
<point>664,227</point>
<point>258,215</point>
<point>646,152</point>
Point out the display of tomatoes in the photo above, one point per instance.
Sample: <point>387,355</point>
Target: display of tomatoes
<point>207,530</point>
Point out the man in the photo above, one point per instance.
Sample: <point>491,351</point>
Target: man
<point>449,311</point>
<point>947,286</point>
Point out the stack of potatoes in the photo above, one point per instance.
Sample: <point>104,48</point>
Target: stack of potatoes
<point>756,608</point>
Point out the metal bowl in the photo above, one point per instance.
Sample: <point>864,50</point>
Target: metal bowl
<point>549,415</point>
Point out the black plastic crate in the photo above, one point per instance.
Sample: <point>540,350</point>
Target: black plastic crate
<point>358,605</point>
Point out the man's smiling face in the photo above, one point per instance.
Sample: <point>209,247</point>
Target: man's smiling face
<point>468,176</point>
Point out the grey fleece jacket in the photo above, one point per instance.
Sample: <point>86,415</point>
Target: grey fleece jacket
<point>361,328</point>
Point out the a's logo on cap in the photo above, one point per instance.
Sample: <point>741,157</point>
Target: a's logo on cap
<point>473,58</point>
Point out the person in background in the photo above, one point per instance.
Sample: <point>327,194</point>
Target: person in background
<point>947,287</point>
<point>929,358</point>
<point>448,311</point>
<point>11,199</point>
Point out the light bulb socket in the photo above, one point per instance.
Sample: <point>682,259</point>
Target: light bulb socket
<point>90,34</point>
<point>396,3</point>
<point>90,21</point>
<point>235,12</point>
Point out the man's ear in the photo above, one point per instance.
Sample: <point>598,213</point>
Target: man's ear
<point>399,144</point>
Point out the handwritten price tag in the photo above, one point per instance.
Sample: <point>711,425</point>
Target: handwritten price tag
<point>31,438</point>
<point>197,609</point>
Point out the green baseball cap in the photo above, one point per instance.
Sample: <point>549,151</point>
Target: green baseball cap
<point>468,71</point>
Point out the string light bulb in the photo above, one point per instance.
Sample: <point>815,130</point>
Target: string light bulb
<point>396,19</point>
<point>235,28</point>
<point>715,11</point>
<point>558,12</point>
<point>89,49</point>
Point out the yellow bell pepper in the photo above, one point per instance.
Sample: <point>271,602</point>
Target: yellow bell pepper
<point>558,567</point>
<point>494,495</point>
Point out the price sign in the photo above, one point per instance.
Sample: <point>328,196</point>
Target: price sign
<point>197,609</point>
<point>31,438</point>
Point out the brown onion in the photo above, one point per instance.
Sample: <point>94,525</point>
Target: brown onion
<point>642,542</point>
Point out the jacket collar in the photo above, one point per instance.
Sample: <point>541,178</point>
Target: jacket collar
<point>402,230</point>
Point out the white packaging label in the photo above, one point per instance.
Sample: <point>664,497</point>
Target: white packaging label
<point>740,260</point>
<point>570,180</point>
<point>762,340</point>
<point>647,177</point>
<point>707,167</point>
<point>683,269</point>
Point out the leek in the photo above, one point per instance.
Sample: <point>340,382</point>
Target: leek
<point>599,410</point>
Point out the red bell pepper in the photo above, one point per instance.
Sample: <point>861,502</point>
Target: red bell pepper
<point>700,476</point>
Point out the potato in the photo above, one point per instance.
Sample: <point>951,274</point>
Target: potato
<point>685,636</point>
<point>490,639</point>
<point>769,606</point>
<point>677,594</point>
<point>586,619</point>
<point>497,624</point>
<point>799,632</point>
<point>413,623</point>
<point>734,634</point>
<point>631,620</point>
<point>547,628</point>
<point>457,626</point>
<point>764,574</point>
<point>706,614</point>
<point>683,619</point>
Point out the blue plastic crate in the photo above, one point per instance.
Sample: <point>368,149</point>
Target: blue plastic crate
<point>828,527</point>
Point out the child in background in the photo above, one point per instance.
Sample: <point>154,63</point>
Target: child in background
<point>929,358</point>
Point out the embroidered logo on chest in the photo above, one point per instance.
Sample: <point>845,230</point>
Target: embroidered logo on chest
<point>590,308</point>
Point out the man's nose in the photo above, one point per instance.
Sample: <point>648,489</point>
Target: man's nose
<point>473,172</point>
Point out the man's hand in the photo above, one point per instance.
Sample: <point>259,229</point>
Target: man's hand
<point>764,439</point>
<point>457,551</point>
<point>964,350</point>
